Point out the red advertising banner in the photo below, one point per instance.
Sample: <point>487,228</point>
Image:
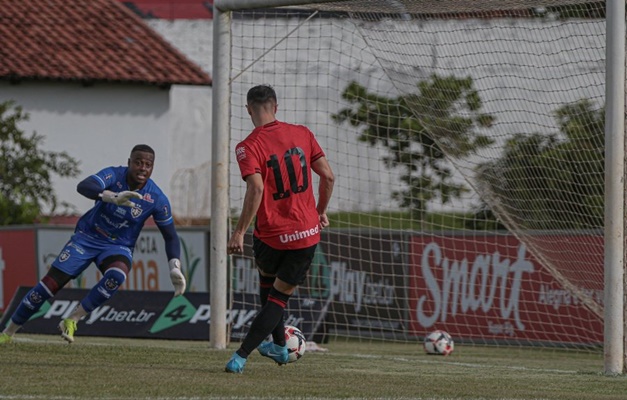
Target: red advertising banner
<point>490,288</point>
<point>18,266</point>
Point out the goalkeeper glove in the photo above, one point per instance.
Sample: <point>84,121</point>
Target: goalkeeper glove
<point>121,199</point>
<point>177,277</point>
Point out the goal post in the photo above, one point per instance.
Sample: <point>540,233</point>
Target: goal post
<point>479,154</point>
<point>220,126</point>
<point>614,321</point>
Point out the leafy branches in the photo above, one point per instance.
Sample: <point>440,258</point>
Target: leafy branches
<point>419,130</point>
<point>26,170</point>
<point>553,180</point>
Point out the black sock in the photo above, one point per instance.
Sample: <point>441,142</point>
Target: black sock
<point>265,322</point>
<point>265,285</point>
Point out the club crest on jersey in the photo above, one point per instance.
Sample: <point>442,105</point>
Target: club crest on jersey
<point>35,298</point>
<point>64,256</point>
<point>240,152</point>
<point>136,211</point>
<point>112,284</point>
<point>119,185</point>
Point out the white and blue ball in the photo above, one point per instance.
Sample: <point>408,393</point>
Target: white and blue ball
<point>439,342</point>
<point>296,343</point>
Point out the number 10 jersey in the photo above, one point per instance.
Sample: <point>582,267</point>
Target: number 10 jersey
<point>282,153</point>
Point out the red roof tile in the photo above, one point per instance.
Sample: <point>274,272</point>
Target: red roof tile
<point>87,41</point>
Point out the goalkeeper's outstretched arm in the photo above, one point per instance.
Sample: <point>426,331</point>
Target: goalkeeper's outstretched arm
<point>90,188</point>
<point>173,252</point>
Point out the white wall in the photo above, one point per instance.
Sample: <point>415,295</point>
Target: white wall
<point>523,69</point>
<point>97,125</point>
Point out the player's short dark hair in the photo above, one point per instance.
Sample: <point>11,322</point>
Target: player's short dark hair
<point>261,94</point>
<point>144,148</point>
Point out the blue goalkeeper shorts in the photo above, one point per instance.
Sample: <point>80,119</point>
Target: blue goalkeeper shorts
<point>82,250</point>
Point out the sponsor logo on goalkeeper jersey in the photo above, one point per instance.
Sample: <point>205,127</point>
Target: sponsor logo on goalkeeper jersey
<point>298,235</point>
<point>148,198</point>
<point>114,224</point>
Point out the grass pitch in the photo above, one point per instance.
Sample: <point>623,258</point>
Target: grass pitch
<point>45,367</point>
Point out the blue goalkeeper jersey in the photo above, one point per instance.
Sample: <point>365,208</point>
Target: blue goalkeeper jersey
<point>120,224</point>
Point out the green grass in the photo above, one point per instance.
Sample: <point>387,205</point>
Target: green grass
<point>395,220</point>
<point>44,367</point>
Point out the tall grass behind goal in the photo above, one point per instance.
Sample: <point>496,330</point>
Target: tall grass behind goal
<point>467,140</point>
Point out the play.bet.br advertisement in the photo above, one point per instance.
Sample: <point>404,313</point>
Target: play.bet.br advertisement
<point>491,288</point>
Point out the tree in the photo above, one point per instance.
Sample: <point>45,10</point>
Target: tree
<point>552,180</point>
<point>26,170</point>
<point>419,131</point>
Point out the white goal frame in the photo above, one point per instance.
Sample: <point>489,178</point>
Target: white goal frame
<point>614,313</point>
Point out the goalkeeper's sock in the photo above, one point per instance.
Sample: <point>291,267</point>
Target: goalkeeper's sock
<point>265,285</point>
<point>78,313</point>
<point>108,285</point>
<point>11,328</point>
<point>31,303</point>
<point>267,319</point>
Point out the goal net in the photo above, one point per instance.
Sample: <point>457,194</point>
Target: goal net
<point>467,139</point>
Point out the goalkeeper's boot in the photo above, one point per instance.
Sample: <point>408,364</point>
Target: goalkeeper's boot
<point>236,364</point>
<point>5,338</point>
<point>277,353</point>
<point>67,328</point>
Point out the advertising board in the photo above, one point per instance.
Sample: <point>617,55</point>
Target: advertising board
<point>150,269</point>
<point>157,315</point>
<point>491,288</point>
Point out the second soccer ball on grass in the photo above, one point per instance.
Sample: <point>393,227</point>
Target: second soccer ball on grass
<point>439,342</point>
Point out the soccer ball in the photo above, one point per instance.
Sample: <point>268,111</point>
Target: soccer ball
<point>296,343</point>
<point>439,342</point>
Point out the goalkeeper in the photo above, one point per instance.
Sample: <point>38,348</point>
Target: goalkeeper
<point>125,197</point>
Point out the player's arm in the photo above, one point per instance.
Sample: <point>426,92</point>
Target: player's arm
<point>93,188</point>
<point>90,187</point>
<point>173,252</point>
<point>252,200</point>
<point>171,240</point>
<point>325,187</point>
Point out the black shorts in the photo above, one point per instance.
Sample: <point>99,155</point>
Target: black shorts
<point>290,266</point>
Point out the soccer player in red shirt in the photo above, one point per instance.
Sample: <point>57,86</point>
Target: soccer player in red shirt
<point>276,161</point>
